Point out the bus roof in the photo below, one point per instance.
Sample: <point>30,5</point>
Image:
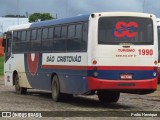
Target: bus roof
<point>50,22</point>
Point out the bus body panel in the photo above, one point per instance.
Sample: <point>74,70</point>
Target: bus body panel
<point>19,67</point>
<point>158,29</point>
<point>73,77</point>
<point>116,60</point>
<point>116,52</point>
<point>77,71</point>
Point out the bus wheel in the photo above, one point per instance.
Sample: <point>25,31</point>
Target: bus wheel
<point>19,90</point>
<point>56,95</point>
<point>108,96</point>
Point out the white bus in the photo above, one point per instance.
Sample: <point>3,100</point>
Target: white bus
<point>101,53</point>
<point>158,29</point>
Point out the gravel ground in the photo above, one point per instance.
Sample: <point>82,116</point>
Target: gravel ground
<point>37,100</point>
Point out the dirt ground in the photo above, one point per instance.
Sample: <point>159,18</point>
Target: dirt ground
<point>129,105</point>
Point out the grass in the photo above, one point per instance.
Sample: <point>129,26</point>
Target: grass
<point>1,66</point>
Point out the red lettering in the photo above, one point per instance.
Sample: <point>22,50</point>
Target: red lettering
<point>145,52</point>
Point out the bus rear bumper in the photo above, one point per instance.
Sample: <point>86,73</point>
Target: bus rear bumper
<point>101,84</point>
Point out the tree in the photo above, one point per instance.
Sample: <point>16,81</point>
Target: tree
<point>40,17</point>
<point>15,16</point>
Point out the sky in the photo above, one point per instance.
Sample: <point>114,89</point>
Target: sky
<point>67,8</point>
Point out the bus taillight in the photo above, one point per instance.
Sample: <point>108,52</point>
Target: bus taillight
<point>94,62</point>
<point>155,62</point>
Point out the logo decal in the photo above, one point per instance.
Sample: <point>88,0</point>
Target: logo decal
<point>125,29</point>
<point>33,59</point>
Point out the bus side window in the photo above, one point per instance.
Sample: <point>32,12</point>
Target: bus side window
<point>22,44</point>
<point>84,37</point>
<point>15,39</point>
<point>28,42</point>
<point>38,41</point>
<point>19,36</point>
<point>17,45</point>
<point>50,33</point>
<point>71,35</point>
<point>8,45</point>
<point>45,40</point>
<point>78,37</point>
<point>35,42</point>
<point>64,32</point>
<point>59,44</point>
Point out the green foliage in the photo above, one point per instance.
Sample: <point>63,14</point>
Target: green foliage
<point>40,16</point>
<point>15,16</point>
<point>1,66</point>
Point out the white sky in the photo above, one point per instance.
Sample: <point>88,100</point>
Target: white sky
<point>66,8</point>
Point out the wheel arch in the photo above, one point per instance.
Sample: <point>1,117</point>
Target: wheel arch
<point>13,75</point>
<point>52,75</point>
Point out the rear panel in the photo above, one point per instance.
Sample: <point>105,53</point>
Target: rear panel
<point>125,51</point>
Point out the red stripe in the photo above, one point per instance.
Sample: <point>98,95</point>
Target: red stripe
<point>122,67</point>
<point>64,67</point>
<point>99,67</point>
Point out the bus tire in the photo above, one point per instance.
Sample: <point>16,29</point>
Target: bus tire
<point>19,90</point>
<point>56,94</point>
<point>108,96</point>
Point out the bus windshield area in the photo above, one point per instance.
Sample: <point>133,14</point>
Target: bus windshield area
<point>125,30</point>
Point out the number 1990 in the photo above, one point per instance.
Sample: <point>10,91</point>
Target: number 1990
<point>145,52</point>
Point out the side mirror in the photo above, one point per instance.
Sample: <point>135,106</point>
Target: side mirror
<point>4,43</point>
<point>4,40</point>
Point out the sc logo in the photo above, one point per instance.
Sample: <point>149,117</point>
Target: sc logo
<point>125,29</point>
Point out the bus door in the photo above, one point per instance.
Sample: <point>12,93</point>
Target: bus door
<point>7,64</point>
<point>8,46</point>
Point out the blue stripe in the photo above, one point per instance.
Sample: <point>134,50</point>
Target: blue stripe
<point>115,74</point>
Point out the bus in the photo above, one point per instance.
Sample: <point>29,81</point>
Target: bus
<point>158,29</point>
<point>103,54</point>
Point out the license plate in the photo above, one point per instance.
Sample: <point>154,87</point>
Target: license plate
<point>126,76</point>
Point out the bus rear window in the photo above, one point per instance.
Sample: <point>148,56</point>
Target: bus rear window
<point>125,30</point>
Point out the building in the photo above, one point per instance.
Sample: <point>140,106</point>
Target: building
<point>1,48</point>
